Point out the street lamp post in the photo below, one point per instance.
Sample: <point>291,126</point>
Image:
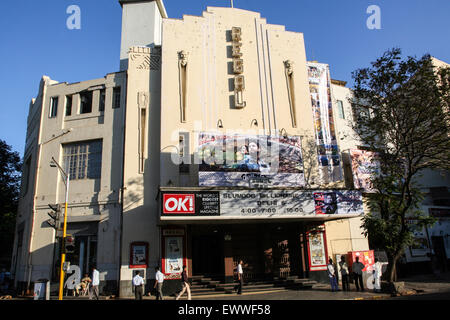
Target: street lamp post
<point>63,253</point>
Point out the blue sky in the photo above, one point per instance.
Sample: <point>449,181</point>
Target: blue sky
<point>35,40</point>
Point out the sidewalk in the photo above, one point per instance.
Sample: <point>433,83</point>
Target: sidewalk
<point>415,285</point>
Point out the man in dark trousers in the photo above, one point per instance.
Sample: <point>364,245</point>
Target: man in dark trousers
<point>240,273</point>
<point>138,283</point>
<point>357,269</point>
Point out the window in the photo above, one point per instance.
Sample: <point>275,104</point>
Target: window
<point>68,105</point>
<point>26,176</point>
<point>183,152</point>
<point>116,97</point>
<point>53,107</point>
<point>340,107</point>
<point>101,105</point>
<point>86,102</point>
<point>83,160</point>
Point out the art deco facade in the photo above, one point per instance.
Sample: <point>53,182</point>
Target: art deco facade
<point>145,189</point>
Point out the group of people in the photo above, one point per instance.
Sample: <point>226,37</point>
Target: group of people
<point>356,273</point>
<point>89,285</point>
<point>139,283</point>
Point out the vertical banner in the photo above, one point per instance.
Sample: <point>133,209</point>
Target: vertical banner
<point>317,252</point>
<point>329,159</point>
<point>364,167</point>
<point>173,242</point>
<point>174,255</point>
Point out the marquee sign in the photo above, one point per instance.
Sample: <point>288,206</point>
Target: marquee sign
<point>261,203</point>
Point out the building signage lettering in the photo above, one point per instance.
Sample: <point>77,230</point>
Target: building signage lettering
<point>198,204</point>
<point>238,67</point>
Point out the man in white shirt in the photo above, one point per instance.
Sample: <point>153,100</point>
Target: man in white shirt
<point>240,273</point>
<point>331,271</point>
<point>377,271</point>
<point>138,283</point>
<point>159,279</point>
<point>94,284</point>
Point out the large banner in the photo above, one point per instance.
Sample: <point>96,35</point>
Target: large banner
<point>364,168</point>
<point>261,203</point>
<point>329,159</point>
<point>250,160</point>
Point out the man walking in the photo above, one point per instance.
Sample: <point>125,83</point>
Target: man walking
<point>138,283</point>
<point>186,287</point>
<point>159,279</point>
<point>357,269</point>
<point>240,273</point>
<point>344,274</point>
<point>94,284</point>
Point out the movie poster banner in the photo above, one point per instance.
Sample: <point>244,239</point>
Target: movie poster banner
<point>317,251</point>
<point>329,159</point>
<point>338,202</point>
<point>364,168</point>
<point>250,160</point>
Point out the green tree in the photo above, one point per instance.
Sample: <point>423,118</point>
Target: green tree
<point>401,109</point>
<point>10,167</point>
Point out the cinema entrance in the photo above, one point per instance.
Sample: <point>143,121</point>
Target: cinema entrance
<point>268,250</point>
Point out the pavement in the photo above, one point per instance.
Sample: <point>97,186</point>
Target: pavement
<point>418,287</point>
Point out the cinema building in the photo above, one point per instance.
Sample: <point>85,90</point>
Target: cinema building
<point>215,142</point>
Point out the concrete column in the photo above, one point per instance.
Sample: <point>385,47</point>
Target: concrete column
<point>228,261</point>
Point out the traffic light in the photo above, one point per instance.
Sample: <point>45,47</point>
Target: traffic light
<point>54,216</point>
<point>69,244</point>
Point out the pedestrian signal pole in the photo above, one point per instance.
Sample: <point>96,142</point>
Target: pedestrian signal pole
<point>63,251</point>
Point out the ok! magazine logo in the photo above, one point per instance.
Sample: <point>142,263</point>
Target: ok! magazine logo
<point>179,203</point>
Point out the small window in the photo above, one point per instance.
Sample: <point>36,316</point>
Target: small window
<point>116,97</point>
<point>101,104</point>
<point>53,107</point>
<point>183,152</point>
<point>26,175</point>
<point>340,107</point>
<point>68,105</point>
<point>86,102</point>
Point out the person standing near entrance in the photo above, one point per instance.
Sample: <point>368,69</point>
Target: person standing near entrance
<point>344,274</point>
<point>240,273</point>
<point>357,269</point>
<point>94,284</point>
<point>186,287</point>
<point>138,283</point>
<point>159,279</point>
<point>377,271</point>
<point>331,271</point>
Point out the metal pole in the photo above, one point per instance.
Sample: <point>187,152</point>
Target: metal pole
<point>63,253</point>
<point>232,5</point>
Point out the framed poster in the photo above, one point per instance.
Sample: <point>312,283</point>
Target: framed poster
<point>174,259</point>
<point>139,255</point>
<point>317,252</point>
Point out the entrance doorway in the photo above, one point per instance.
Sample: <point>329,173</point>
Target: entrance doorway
<point>439,250</point>
<point>207,255</point>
